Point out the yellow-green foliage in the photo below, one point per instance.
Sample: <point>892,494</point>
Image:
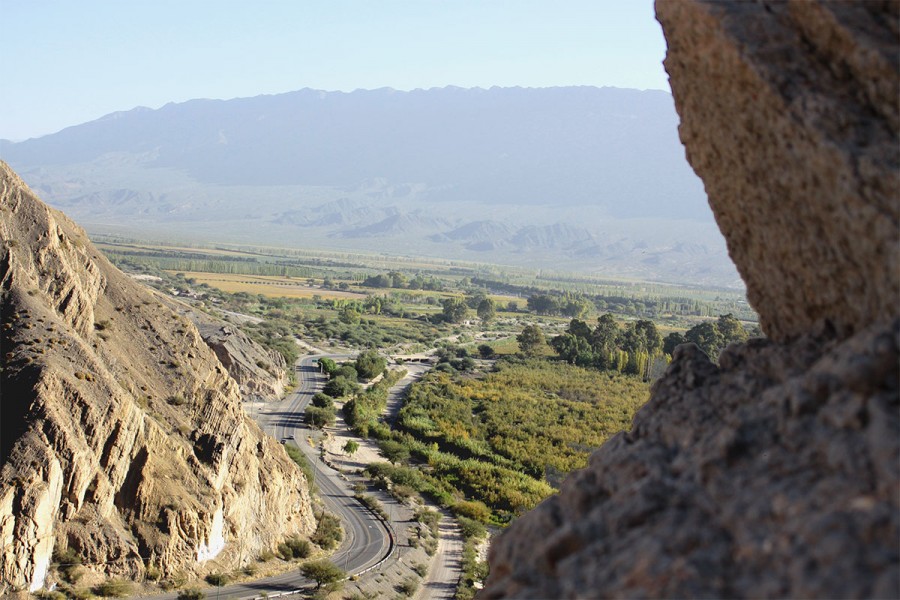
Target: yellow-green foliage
<point>502,438</point>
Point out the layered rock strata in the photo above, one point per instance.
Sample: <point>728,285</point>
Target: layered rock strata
<point>123,438</point>
<point>261,373</point>
<point>777,472</point>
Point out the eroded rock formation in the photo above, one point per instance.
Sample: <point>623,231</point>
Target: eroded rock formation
<point>777,472</point>
<point>123,437</point>
<point>260,373</point>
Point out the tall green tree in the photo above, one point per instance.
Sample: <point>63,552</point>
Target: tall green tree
<point>572,349</point>
<point>531,340</point>
<point>486,310</point>
<point>454,309</point>
<point>731,329</point>
<point>671,341</point>
<point>706,335</point>
<point>605,341</point>
<point>370,364</point>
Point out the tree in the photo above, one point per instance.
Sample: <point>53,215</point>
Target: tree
<point>579,328</point>
<point>322,400</point>
<point>340,387</point>
<point>327,365</point>
<point>351,447</point>
<point>641,336</point>
<point>394,451</point>
<point>531,340</point>
<point>485,351</point>
<point>455,309</point>
<point>349,316</point>
<point>346,371</point>
<point>319,417</point>
<point>571,348</point>
<point>671,341</point>
<point>322,572</point>
<point>543,304</point>
<point>398,279</point>
<point>576,308</point>
<point>486,310</point>
<point>605,339</point>
<point>706,335</point>
<point>731,329</point>
<point>369,364</point>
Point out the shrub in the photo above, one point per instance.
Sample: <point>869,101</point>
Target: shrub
<point>471,529</point>
<point>328,533</point>
<point>113,588</point>
<point>217,579</point>
<point>68,563</point>
<point>294,547</point>
<point>190,594</point>
<point>473,509</point>
<point>369,364</point>
<point>345,371</point>
<point>408,586</point>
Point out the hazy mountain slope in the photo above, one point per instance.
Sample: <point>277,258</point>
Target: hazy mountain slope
<point>123,438</point>
<point>336,169</point>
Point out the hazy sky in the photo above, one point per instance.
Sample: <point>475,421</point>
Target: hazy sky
<point>65,62</point>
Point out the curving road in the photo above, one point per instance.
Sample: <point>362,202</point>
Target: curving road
<point>367,540</point>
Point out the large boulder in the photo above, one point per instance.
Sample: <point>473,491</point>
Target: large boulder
<point>775,473</point>
<point>789,113</point>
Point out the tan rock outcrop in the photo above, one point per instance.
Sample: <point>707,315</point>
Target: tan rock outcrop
<point>789,114</point>
<point>123,438</point>
<point>260,373</point>
<point>777,472</point>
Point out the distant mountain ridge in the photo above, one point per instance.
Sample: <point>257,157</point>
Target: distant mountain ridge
<point>392,171</point>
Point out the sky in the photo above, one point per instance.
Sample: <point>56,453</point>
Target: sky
<point>66,62</point>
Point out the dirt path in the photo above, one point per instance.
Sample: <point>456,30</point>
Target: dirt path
<point>445,570</point>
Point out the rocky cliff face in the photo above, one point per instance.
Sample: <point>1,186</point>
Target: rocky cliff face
<point>776,473</point>
<point>260,373</point>
<point>122,434</point>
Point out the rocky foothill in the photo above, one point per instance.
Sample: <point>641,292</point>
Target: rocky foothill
<point>123,440</point>
<point>775,473</point>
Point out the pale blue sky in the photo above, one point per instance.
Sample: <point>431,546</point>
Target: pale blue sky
<point>65,62</point>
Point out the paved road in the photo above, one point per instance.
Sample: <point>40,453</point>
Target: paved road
<point>367,539</point>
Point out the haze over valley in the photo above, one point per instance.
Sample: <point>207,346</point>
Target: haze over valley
<point>579,179</point>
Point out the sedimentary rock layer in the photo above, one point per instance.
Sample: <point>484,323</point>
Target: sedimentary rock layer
<point>122,434</point>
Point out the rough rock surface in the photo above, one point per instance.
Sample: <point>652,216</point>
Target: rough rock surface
<point>789,114</point>
<point>773,475</point>
<point>776,473</point>
<point>123,438</point>
<point>259,372</point>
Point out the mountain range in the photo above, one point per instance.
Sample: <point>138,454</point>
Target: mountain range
<point>577,179</point>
